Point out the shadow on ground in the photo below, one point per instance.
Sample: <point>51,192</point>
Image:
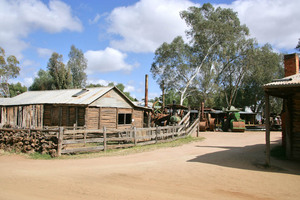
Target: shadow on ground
<point>248,157</point>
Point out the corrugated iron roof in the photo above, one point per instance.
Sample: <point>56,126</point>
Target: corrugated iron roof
<point>67,96</point>
<point>289,81</point>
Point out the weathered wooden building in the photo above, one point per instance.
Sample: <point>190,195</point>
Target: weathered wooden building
<point>91,107</point>
<point>287,88</point>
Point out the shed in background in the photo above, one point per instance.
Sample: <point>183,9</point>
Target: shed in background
<point>90,107</point>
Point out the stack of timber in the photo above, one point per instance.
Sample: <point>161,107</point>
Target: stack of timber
<point>29,140</point>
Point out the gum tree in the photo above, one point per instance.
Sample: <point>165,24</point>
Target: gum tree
<point>77,64</point>
<point>8,69</point>
<point>211,32</point>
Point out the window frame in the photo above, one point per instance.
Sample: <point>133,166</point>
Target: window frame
<point>126,118</point>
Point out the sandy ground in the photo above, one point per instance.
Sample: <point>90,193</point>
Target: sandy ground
<point>223,166</point>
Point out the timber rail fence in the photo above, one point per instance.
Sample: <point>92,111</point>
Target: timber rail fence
<point>65,140</point>
<point>73,141</point>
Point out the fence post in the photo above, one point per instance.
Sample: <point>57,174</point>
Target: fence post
<point>74,128</point>
<point>60,140</point>
<point>198,129</point>
<point>156,134</point>
<point>84,138</point>
<point>104,138</point>
<point>135,136</point>
<point>173,132</point>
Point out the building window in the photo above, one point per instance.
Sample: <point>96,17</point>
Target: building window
<point>124,118</point>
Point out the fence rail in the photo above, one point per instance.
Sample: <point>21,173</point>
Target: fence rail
<point>63,140</point>
<point>73,141</point>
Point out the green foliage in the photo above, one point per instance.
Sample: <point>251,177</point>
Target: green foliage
<point>266,66</point>
<point>59,76</point>
<point>171,96</point>
<point>91,85</point>
<point>77,63</point>
<point>16,89</point>
<point>186,67</point>
<point>62,78</point>
<point>39,156</point>
<point>44,81</point>
<point>8,69</point>
<point>220,65</point>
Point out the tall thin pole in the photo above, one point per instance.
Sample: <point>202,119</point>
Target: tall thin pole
<point>146,90</point>
<point>267,115</point>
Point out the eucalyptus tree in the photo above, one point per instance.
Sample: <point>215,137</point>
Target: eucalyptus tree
<point>78,64</point>
<point>43,81</point>
<point>211,31</point>
<point>8,69</point>
<point>62,78</point>
<point>266,65</point>
<point>16,89</point>
<point>235,63</point>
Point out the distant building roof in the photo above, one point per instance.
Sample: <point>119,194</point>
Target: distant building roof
<point>67,96</point>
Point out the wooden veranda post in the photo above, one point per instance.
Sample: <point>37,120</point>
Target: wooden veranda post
<point>267,115</point>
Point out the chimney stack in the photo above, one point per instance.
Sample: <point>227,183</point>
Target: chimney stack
<point>291,64</point>
<point>146,90</point>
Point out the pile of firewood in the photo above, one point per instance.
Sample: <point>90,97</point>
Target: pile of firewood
<point>28,141</point>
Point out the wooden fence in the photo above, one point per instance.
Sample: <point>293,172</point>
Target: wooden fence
<point>73,141</point>
<point>64,140</point>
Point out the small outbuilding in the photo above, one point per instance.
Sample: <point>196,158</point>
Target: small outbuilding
<point>93,108</point>
<point>287,88</point>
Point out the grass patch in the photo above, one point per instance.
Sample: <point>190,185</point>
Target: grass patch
<point>39,156</point>
<point>133,150</point>
<point>278,152</point>
<point>34,155</point>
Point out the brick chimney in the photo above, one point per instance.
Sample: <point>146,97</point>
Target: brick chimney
<point>291,64</point>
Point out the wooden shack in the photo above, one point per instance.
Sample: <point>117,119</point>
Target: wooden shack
<point>91,107</point>
<point>287,88</point>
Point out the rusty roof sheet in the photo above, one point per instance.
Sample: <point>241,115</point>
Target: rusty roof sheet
<point>289,81</point>
<point>68,96</point>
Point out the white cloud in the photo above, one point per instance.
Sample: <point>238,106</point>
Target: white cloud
<point>45,53</point>
<point>129,88</point>
<point>20,18</point>
<point>145,25</point>
<point>95,20</point>
<point>108,60</point>
<point>271,21</point>
<point>98,81</point>
<point>31,63</point>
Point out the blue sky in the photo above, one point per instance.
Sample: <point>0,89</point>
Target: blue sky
<point>119,37</point>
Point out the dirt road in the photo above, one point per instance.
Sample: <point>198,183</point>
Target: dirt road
<point>223,166</point>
